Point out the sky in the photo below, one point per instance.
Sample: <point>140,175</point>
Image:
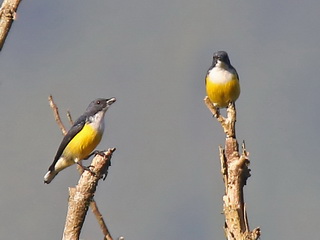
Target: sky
<point>165,181</point>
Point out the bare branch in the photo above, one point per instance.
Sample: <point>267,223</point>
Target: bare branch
<point>57,115</point>
<point>235,171</point>
<point>81,196</point>
<point>103,226</point>
<point>69,117</point>
<point>7,15</point>
<point>226,123</point>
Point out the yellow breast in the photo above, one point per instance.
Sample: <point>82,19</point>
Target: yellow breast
<point>223,92</point>
<point>83,143</point>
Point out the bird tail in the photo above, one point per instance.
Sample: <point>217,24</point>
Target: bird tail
<point>49,176</point>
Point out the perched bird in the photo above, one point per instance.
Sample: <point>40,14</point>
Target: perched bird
<point>222,81</point>
<point>82,138</point>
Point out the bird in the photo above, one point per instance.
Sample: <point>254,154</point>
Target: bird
<point>222,81</point>
<point>82,138</point>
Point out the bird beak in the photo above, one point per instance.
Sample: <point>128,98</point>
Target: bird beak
<point>111,100</point>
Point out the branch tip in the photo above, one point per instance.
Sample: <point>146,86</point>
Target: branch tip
<point>69,117</point>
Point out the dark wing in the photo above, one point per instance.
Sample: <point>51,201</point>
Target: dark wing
<point>205,79</point>
<point>235,71</point>
<point>212,66</point>
<point>74,130</point>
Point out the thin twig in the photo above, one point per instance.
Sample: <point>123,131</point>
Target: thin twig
<point>70,118</point>
<point>57,115</point>
<point>226,123</point>
<point>215,111</point>
<point>103,226</point>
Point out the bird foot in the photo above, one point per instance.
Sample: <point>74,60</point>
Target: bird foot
<point>86,168</point>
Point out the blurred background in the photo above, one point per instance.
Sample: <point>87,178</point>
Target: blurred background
<point>165,181</point>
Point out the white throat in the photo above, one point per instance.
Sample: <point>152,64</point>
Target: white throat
<point>97,121</point>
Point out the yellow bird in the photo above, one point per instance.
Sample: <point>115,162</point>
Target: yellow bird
<point>81,139</point>
<point>222,81</point>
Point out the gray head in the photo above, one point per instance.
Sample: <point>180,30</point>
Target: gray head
<point>100,104</point>
<point>221,57</point>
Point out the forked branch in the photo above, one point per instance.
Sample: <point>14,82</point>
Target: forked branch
<point>235,171</point>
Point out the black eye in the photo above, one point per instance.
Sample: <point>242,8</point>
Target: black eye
<point>98,102</point>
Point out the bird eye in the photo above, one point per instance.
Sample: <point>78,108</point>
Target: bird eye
<point>98,102</point>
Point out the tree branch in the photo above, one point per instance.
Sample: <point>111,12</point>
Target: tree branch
<point>7,15</point>
<point>235,171</point>
<point>103,226</point>
<point>70,118</point>
<point>57,115</point>
<point>228,124</point>
<point>81,196</point>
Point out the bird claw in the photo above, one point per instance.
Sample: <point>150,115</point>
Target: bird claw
<point>87,168</point>
<point>101,153</point>
<point>95,153</point>
<point>217,114</point>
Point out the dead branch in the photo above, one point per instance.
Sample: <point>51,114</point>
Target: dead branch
<point>81,196</point>
<point>57,115</point>
<point>69,117</point>
<point>228,124</point>
<point>102,224</point>
<point>7,15</point>
<point>235,171</point>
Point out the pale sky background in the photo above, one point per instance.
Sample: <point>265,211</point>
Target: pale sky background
<point>165,181</point>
